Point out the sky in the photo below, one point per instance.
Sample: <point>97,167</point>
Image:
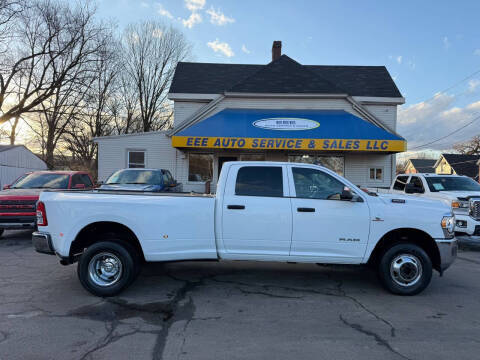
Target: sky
<point>430,48</point>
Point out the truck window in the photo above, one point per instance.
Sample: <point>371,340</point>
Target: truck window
<point>86,180</point>
<point>417,182</point>
<point>400,183</point>
<point>315,184</point>
<point>259,181</point>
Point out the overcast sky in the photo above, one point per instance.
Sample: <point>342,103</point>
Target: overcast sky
<point>427,46</point>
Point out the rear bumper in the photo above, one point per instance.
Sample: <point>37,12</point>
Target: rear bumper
<point>42,242</point>
<point>448,252</point>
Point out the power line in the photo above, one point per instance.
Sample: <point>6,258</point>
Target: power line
<point>443,137</point>
<point>454,85</point>
<point>443,91</point>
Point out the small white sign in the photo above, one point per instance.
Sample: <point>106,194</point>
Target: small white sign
<point>286,123</point>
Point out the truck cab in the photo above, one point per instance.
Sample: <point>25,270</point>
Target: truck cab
<point>461,193</point>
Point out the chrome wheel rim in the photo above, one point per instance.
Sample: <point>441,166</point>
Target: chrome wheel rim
<point>406,270</point>
<point>105,269</point>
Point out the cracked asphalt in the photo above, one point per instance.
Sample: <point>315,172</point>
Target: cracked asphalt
<point>233,310</point>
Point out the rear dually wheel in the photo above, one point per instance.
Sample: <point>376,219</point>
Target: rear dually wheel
<point>107,267</point>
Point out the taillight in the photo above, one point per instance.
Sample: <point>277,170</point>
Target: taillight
<point>41,214</point>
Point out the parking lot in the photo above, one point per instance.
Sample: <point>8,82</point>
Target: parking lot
<point>233,310</point>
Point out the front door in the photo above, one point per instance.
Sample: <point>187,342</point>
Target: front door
<point>256,213</point>
<point>325,227</point>
<point>224,159</point>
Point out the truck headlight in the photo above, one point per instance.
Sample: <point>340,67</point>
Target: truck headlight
<point>460,206</point>
<point>448,225</point>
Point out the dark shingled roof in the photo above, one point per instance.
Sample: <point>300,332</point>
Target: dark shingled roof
<point>283,75</point>
<point>463,164</point>
<point>424,165</point>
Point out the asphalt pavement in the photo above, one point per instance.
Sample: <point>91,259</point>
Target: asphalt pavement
<point>233,310</point>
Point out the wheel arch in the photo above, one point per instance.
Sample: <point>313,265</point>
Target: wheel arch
<point>90,234</point>
<point>407,235</point>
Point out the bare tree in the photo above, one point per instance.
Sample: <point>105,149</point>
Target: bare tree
<point>53,40</point>
<point>65,72</point>
<point>125,107</point>
<point>470,147</point>
<point>151,54</point>
<point>97,117</point>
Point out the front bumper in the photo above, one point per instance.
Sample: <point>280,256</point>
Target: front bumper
<point>448,252</point>
<point>17,222</point>
<point>469,226</point>
<point>42,242</point>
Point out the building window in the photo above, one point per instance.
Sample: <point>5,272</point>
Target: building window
<point>136,159</point>
<point>200,167</point>
<point>376,174</point>
<point>334,163</point>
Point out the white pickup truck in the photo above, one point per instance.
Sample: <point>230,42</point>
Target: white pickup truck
<point>461,193</point>
<point>266,211</point>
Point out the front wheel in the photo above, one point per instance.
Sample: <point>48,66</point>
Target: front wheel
<point>405,269</point>
<point>106,268</point>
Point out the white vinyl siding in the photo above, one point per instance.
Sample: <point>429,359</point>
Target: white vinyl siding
<point>387,114</point>
<point>357,167</point>
<point>17,161</point>
<point>113,152</point>
<point>183,110</point>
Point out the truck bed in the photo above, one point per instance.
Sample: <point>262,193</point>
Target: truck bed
<point>143,193</point>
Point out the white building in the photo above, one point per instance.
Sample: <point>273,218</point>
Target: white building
<point>16,160</point>
<point>343,117</point>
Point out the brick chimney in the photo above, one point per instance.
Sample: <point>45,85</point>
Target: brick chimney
<point>276,50</point>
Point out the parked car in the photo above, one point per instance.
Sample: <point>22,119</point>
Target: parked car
<point>155,180</point>
<point>17,203</point>
<point>6,187</point>
<point>461,193</point>
<point>267,211</point>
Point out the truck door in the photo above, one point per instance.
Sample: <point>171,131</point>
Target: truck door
<point>256,212</point>
<point>324,227</point>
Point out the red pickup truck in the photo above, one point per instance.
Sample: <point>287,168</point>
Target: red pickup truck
<point>18,201</point>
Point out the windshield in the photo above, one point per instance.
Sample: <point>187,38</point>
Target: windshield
<point>43,181</point>
<point>147,177</point>
<point>452,183</point>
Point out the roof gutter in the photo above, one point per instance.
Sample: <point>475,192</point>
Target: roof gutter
<point>290,96</point>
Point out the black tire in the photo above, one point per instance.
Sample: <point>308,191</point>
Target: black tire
<point>1,232</point>
<point>405,269</point>
<point>93,266</point>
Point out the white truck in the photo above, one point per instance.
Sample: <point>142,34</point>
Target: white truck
<point>461,193</point>
<point>265,211</point>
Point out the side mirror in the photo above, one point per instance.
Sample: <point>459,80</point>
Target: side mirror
<point>6,187</point>
<point>99,183</point>
<point>346,194</point>
<point>79,186</point>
